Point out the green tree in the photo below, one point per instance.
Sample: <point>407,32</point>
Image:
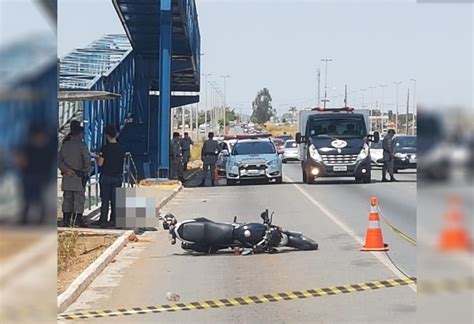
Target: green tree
<point>262,107</point>
<point>230,115</point>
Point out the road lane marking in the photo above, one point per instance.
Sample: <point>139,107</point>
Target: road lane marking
<point>336,220</point>
<point>240,301</point>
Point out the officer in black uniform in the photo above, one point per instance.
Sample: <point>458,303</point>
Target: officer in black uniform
<point>388,145</point>
<point>176,157</point>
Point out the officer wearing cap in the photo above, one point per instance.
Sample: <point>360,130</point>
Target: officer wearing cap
<point>176,158</point>
<point>210,151</point>
<point>74,163</point>
<point>186,143</point>
<point>388,145</point>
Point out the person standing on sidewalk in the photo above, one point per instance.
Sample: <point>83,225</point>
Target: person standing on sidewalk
<point>210,151</point>
<point>176,158</point>
<point>110,160</point>
<point>74,163</point>
<point>388,145</point>
<point>186,143</point>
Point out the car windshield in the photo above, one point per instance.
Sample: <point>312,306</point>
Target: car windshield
<point>406,141</point>
<point>245,148</point>
<point>336,127</point>
<point>290,144</point>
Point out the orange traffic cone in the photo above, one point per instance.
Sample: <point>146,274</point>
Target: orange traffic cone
<point>373,237</point>
<point>454,237</point>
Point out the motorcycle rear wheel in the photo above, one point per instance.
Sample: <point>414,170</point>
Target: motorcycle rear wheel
<point>302,243</point>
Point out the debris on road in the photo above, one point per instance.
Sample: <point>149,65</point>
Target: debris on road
<point>171,296</point>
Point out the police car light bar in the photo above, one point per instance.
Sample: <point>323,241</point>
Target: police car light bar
<point>247,136</point>
<point>347,109</point>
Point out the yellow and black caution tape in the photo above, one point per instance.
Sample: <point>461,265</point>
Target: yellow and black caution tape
<point>240,301</point>
<point>396,230</point>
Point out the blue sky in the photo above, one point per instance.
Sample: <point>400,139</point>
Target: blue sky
<point>279,44</point>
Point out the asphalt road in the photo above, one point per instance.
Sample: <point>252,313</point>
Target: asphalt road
<point>333,212</point>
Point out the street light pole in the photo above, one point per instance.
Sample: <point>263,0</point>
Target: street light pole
<point>207,103</point>
<point>397,83</point>
<point>371,104</point>
<point>225,97</point>
<point>319,88</point>
<point>414,107</point>
<point>382,107</point>
<point>363,101</point>
<point>326,60</point>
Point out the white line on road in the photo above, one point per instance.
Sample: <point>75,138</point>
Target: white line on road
<point>381,257</point>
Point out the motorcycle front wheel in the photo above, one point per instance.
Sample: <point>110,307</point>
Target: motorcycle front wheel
<point>302,243</point>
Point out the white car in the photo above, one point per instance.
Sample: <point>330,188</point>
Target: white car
<point>253,159</point>
<point>226,148</point>
<point>376,153</point>
<point>290,151</point>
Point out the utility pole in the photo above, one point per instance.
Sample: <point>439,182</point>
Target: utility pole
<point>414,106</point>
<point>397,83</point>
<point>326,60</point>
<point>408,108</point>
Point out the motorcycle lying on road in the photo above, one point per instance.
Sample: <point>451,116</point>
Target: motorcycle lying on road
<point>206,236</point>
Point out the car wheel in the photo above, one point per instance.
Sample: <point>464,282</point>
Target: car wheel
<point>279,180</point>
<point>395,170</point>
<point>367,178</point>
<point>283,161</point>
<point>305,177</point>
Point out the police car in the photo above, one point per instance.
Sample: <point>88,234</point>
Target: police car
<point>253,159</point>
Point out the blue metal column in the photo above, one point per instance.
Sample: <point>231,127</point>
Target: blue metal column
<point>87,122</point>
<point>165,89</point>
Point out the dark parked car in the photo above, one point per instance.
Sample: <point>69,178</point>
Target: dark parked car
<point>405,152</point>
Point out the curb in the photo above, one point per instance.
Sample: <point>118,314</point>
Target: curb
<point>165,200</point>
<point>192,174</point>
<point>90,273</point>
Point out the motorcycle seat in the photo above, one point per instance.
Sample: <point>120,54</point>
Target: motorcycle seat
<point>209,233</point>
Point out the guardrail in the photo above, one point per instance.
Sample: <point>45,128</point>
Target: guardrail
<point>130,172</point>
<point>92,189</point>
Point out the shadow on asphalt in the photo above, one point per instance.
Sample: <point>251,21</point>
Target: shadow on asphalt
<point>282,250</point>
<point>398,180</point>
<point>405,172</point>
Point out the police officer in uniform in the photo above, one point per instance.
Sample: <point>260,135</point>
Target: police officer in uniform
<point>186,143</point>
<point>210,151</point>
<point>176,158</point>
<point>74,163</point>
<point>388,145</point>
